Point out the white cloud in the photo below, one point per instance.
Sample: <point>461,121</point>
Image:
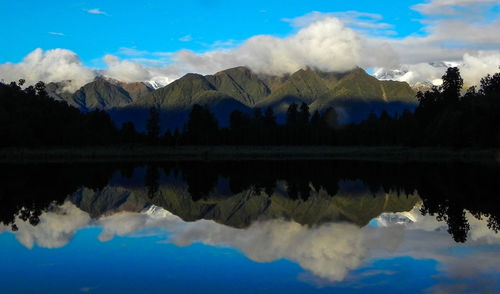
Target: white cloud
<point>56,34</point>
<point>132,51</point>
<point>129,71</point>
<point>96,11</point>
<point>50,66</point>
<point>361,21</point>
<point>326,44</point>
<point>186,38</point>
<point>434,7</point>
<point>473,67</point>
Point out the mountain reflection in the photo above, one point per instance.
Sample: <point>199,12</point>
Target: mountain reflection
<point>237,194</point>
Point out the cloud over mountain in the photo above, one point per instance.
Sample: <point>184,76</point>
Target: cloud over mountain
<point>51,65</point>
<point>326,44</point>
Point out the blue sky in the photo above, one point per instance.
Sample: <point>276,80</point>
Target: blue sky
<point>166,26</point>
<point>159,41</point>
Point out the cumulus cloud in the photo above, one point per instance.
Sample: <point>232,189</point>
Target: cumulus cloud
<point>473,67</point>
<point>130,71</point>
<point>326,43</point>
<point>361,21</point>
<point>49,66</point>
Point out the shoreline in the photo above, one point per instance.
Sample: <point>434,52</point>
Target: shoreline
<point>216,153</point>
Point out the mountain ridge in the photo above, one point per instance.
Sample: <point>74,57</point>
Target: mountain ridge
<point>240,88</point>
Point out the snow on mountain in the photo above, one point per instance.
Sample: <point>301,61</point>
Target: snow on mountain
<point>158,82</point>
<point>158,212</point>
<point>417,75</point>
<point>389,219</point>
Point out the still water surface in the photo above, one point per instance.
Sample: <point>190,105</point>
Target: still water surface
<point>247,227</point>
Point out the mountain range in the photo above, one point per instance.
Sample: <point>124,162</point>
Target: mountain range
<point>354,94</point>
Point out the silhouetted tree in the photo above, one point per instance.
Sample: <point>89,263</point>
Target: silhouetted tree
<point>128,133</point>
<point>151,180</point>
<point>330,118</point>
<point>153,125</point>
<point>292,115</point>
<point>269,118</point>
<point>239,120</point>
<point>452,85</point>
<point>40,89</point>
<point>202,126</point>
<point>304,114</point>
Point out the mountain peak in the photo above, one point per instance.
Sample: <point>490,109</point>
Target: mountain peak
<point>238,69</point>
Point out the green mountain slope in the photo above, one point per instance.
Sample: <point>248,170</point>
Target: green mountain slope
<point>100,94</point>
<point>399,91</point>
<point>241,84</point>
<point>240,88</point>
<point>180,94</point>
<point>304,85</point>
<point>358,85</point>
<point>135,90</point>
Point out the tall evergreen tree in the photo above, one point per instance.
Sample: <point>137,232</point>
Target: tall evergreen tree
<point>153,125</point>
<point>202,126</point>
<point>128,132</point>
<point>330,118</point>
<point>452,85</point>
<point>292,115</point>
<point>304,114</point>
<point>269,118</point>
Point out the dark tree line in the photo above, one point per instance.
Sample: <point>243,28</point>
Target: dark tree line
<point>29,118</point>
<point>259,128</point>
<point>26,191</point>
<point>444,117</point>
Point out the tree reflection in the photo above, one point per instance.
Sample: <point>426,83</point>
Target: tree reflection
<point>151,180</point>
<point>447,190</point>
<point>28,190</point>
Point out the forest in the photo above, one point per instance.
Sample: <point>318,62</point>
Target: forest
<point>446,116</point>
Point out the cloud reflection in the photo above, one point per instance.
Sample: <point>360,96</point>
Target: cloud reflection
<point>330,251</point>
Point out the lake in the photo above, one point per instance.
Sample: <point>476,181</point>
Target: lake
<point>249,227</point>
